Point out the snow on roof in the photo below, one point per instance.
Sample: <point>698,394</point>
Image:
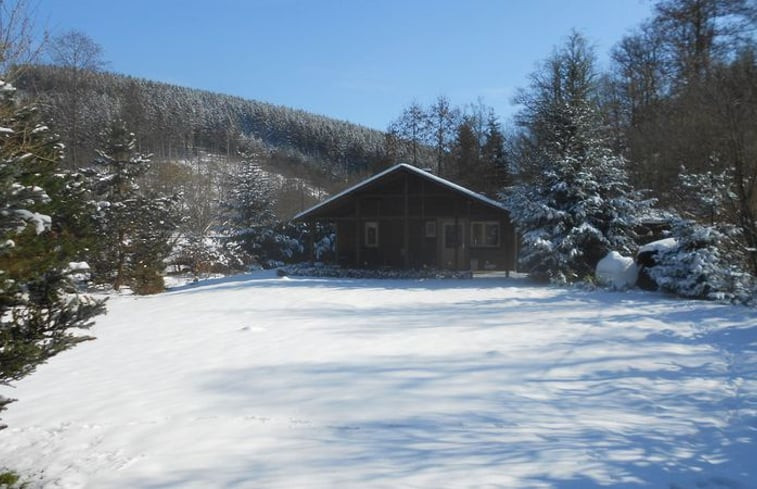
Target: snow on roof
<point>413,169</point>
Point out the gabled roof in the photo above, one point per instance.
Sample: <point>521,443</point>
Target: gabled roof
<point>414,170</point>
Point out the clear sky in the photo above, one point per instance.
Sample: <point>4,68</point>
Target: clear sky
<point>358,60</point>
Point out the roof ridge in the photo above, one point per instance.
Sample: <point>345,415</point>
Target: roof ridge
<point>414,169</point>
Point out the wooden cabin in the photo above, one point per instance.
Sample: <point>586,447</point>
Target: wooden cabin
<point>405,217</point>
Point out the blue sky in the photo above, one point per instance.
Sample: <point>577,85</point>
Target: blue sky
<point>357,60</point>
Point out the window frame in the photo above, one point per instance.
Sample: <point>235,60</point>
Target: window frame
<point>484,234</point>
<point>367,227</point>
<point>430,229</point>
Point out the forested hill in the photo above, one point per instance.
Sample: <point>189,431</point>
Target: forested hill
<point>175,123</point>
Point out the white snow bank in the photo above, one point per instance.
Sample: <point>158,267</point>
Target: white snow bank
<point>617,271</point>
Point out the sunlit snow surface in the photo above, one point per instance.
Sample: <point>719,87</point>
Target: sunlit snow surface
<point>263,382</point>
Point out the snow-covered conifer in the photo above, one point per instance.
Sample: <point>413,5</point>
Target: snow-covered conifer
<point>699,265</point>
<point>577,205</point>
<point>134,225</point>
<point>707,195</point>
<point>249,216</point>
<point>39,303</point>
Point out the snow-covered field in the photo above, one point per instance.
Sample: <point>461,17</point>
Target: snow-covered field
<point>262,382</point>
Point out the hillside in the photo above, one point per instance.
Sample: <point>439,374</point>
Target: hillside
<point>176,123</point>
<point>263,382</point>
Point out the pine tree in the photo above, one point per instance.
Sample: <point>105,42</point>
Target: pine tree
<point>249,217</point>
<point>493,149</point>
<point>493,158</point>
<point>40,305</point>
<point>465,167</point>
<point>701,265</point>
<point>134,225</point>
<point>410,129</point>
<point>708,259</point>
<point>704,195</point>
<point>578,205</point>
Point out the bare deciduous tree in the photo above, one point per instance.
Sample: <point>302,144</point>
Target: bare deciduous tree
<point>20,43</point>
<point>79,56</point>
<point>442,119</point>
<point>76,50</point>
<point>411,128</point>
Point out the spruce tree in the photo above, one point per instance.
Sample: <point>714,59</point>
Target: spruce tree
<point>40,206</point>
<point>248,214</point>
<point>701,264</point>
<point>493,159</point>
<point>466,164</point>
<point>577,205</point>
<point>134,225</point>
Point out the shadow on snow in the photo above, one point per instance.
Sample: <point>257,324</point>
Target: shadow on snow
<point>626,410</point>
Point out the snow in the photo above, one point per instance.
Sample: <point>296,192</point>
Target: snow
<point>78,266</point>
<point>260,382</point>
<point>617,271</point>
<point>79,271</point>
<point>41,222</point>
<point>660,245</point>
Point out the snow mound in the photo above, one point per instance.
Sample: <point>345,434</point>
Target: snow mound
<point>660,245</point>
<point>617,271</point>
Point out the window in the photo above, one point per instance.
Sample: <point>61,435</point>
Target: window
<point>453,235</point>
<point>484,234</point>
<point>430,229</point>
<point>371,234</point>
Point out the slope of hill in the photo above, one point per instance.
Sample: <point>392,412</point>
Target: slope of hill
<point>174,122</point>
<point>255,381</point>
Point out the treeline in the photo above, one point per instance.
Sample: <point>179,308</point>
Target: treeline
<point>178,123</point>
<point>680,95</point>
<point>465,144</point>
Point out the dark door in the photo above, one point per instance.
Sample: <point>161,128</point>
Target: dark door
<point>452,244</point>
